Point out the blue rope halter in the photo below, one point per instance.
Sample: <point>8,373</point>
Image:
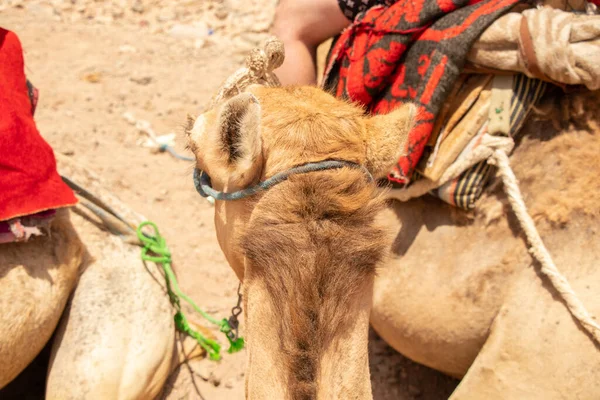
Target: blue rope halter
<point>204,188</point>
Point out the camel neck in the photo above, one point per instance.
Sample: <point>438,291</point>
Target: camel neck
<point>288,367</point>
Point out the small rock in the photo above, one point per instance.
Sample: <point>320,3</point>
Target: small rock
<point>138,7</point>
<point>213,309</point>
<point>118,13</point>
<point>144,80</point>
<point>216,381</point>
<point>68,152</point>
<point>129,117</point>
<point>229,384</point>
<point>221,13</point>
<point>92,77</point>
<point>199,43</point>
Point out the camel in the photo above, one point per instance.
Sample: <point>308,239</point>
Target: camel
<point>116,338</point>
<point>321,255</point>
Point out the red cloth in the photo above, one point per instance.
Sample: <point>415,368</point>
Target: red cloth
<point>410,51</point>
<point>29,182</point>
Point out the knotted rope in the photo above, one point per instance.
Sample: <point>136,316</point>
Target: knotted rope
<point>484,151</point>
<point>157,245</point>
<point>260,64</point>
<point>495,150</point>
<point>538,249</point>
<point>204,188</point>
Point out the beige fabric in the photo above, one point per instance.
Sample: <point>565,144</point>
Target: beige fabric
<point>464,121</point>
<point>567,46</point>
<point>500,100</point>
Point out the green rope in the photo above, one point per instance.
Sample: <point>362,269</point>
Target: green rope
<point>161,255</point>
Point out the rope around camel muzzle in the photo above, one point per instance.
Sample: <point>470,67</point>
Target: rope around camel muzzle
<point>203,184</point>
<point>495,150</point>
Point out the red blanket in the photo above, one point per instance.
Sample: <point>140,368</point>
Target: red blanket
<point>29,182</point>
<point>412,51</point>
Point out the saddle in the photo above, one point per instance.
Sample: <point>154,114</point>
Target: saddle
<point>474,70</point>
<point>30,186</point>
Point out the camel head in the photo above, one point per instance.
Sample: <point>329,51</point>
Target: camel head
<point>307,248</point>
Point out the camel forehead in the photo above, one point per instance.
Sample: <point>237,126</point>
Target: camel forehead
<point>306,119</point>
<point>304,99</point>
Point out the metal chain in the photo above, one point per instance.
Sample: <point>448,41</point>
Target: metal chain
<point>234,323</point>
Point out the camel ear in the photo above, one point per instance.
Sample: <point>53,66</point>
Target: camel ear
<point>227,142</point>
<point>387,137</point>
<point>239,131</point>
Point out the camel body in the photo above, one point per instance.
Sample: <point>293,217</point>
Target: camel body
<point>463,295</point>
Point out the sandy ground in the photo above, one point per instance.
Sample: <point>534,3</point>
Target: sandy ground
<point>95,61</point>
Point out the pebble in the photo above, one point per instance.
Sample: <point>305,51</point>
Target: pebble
<point>138,7</point>
<point>229,384</point>
<point>92,77</point>
<point>143,80</point>
<point>215,380</point>
<point>221,13</point>
<point>129,117</point>
<point>200,43</point>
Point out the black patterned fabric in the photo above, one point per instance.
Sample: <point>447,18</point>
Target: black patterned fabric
<point>409,51</point>
<point>464,191</point>
<point>351,8</point>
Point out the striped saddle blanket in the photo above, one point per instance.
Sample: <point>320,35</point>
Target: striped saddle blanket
<point>465,118</point>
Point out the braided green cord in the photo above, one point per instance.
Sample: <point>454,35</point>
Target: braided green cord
<point>157,245</point>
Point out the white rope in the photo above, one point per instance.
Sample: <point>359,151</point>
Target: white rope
<point>538,249</point>
<point>482,152</point>
<point>494,149</point>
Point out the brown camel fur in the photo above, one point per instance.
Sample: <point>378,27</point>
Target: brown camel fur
<point>460,292</point>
